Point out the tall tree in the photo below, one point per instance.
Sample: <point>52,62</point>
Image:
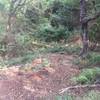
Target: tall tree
<point>84,26</point>
<point>84,20</point>
<point>14,6</point>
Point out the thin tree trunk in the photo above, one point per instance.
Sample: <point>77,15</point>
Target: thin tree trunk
<point>10,17</point>
<point>84,38</point>
<point>8,29</point>
<point>84,27</point>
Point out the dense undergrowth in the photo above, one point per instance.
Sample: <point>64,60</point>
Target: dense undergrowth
<point>50,26</point>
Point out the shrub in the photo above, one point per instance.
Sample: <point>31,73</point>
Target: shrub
<point>48,33</point>
<point>81,79</point>
<point>93,95</point>
<point>92,59</point>
<point>94,31</point>
<point>87,75</point>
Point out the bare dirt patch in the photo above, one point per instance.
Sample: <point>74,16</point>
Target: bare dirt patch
<point>16,84</point>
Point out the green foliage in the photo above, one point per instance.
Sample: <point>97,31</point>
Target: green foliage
<point>61,49</point>
<point>95,60</point>
<point>21,60</point>
<point>4,5</point>
<point>23,39</point>
<point>94,31</point>
<point>48,33</point>
<point>64,97</point>
<point>87,75</point>
<point>32,14</point>
<point>31,22</point>
<point>92,59</point>
<point>81,79</point>
<point>53,20</point>
<point>91,95</point>
<point>30,18</point>
<point>62,14</point>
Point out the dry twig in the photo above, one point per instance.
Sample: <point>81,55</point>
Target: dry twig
<point>78,87</point>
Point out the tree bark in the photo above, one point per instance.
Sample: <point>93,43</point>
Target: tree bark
<point>84,20</point>
<point>14,5</point>
<point>84,26</point>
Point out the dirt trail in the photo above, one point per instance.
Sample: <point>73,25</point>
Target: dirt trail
<point>16,85</point>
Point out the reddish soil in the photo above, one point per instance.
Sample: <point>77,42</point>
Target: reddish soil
<point>16,84</point>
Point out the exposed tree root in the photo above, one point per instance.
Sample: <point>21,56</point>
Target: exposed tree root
<point>79,87</point>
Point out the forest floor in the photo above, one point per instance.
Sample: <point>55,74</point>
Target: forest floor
<point>16,83</point>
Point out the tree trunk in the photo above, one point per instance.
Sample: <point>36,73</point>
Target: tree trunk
<point>10,17</point>
<point>84,27</point>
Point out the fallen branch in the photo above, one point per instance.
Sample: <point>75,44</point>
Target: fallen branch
<point>41,45</point>
<point>78,87</point>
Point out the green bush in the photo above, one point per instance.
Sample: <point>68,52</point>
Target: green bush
<point>94,31</point>
<point>81,79</point>
<point>48,33</point>
<point>92,59</point>
<point>62,13</point>
<point>93,95</point>
<point>56,21</point>
<point>95,60</point>
<point>87,75</point>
